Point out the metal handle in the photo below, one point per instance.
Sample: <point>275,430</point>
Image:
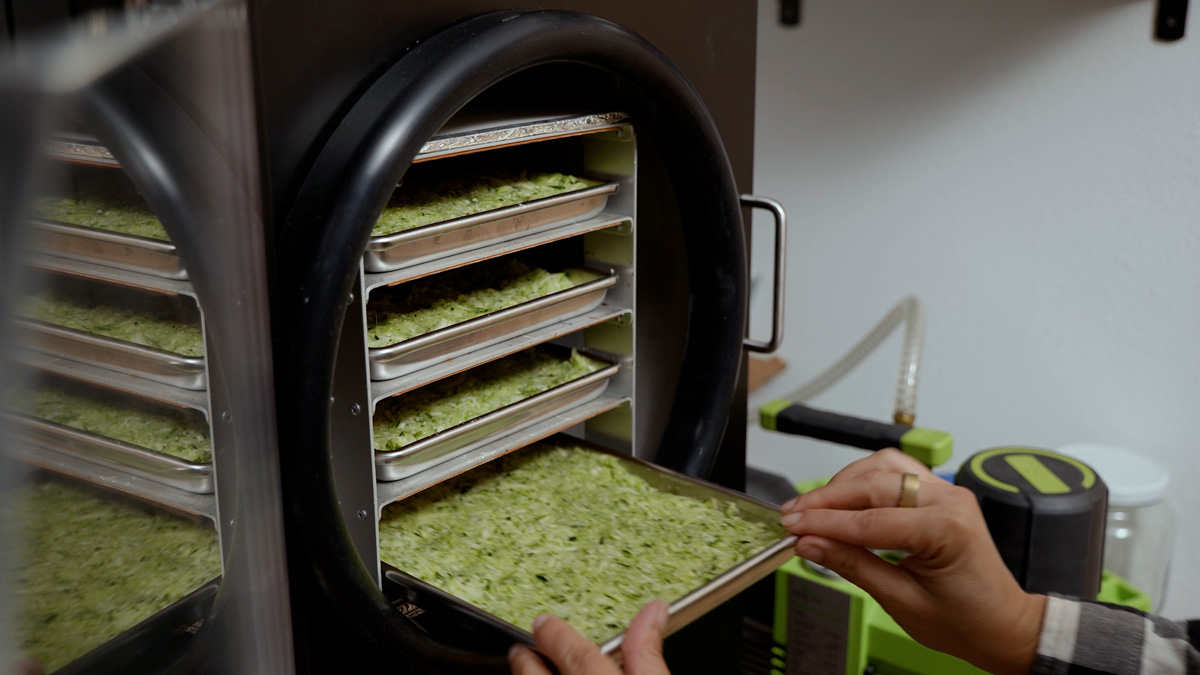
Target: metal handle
<point>776,210</point>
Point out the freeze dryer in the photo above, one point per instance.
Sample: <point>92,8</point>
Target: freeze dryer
<point>350,106</point>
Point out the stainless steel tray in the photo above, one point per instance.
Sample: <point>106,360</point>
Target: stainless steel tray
<point>81,150</point>
<point>102,247</point>
<point>108,274</point>
<point>116,480</point>
<point>459,136</point>
<point>196,477</point>
<point>472,133</point>
<point>419,455</point>
<point>441,608</point>
<point>394,491</point>
<point>111,379</point>
<point>186,372</point>
<point>394,251</point>
<point>425,350</point>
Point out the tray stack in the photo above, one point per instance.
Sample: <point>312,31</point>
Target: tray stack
<point>112,368</point>
<point>593,414</point>
<point>589,228</point>
<point>91,437</point>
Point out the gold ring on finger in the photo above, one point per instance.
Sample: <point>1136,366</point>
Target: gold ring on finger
<point>909,484</point>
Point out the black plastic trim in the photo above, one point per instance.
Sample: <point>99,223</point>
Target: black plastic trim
<point>156,644</point>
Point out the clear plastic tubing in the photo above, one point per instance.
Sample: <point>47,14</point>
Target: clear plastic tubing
<point>911,313</point>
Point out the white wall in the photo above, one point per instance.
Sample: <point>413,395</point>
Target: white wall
<point>1031,170</point>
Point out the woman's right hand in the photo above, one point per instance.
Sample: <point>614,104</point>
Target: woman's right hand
<point>953,592</point>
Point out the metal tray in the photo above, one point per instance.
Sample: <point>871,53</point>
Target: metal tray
<point>419,455</point>
<point>438,608</point>
<point>103,247</point>
<point>425,350</point>
<point>394,491</point>
<point>116,480</point>
<point>111,379</point>
<point>461,135</point>
<point>108,274</point>
<point>196,477</point>
<point>185,372</point>
<point>469,132</point>
<point>81,150</point>
<point>394,251</point>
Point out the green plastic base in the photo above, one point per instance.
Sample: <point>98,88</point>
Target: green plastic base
<point>863,636</point>
<point>841,624</point>
<point>1115,590</point>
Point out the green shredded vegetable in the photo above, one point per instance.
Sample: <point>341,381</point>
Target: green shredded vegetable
<point>150,321</point>
<point>418,202</point>
<point>106,203</point>
<point>93,567</point>
<point>407,418</point>
<point>176,432</point>
<point>401,312</point>
<point>567,531</point>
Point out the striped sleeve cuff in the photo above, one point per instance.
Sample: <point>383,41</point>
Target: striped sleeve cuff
<point>1060,627</point>
<point>1087,638</point>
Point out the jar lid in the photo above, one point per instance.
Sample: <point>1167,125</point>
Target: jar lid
<point>1132,479</point>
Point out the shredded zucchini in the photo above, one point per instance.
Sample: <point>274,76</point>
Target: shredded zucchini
<point>402,312</point>
<point>407,418</point>
<point>94,567</point>
<point>149,321</point>
<point>563,530</point>
<point>171,431</point>
<point>106,203</point>
<point>419,202</point>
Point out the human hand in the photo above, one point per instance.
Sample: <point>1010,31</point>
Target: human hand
<point>574,654</point>
<point>27,667</point>
<point>953,592</point>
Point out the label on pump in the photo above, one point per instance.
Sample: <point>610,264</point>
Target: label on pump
<point>818,628</point>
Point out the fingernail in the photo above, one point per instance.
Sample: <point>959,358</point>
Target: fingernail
<point>791,519</point>
<point>661,614</point>
<point>787,506</point>
<point>539,620</point>
<point>514,651</point>
<point>809,551</point>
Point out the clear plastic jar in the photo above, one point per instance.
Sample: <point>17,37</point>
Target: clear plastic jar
<point>1141,525</point>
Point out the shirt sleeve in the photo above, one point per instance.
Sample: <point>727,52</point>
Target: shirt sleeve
<point>1092,638</point>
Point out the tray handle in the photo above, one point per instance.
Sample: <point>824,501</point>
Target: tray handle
<point>776,210</point>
